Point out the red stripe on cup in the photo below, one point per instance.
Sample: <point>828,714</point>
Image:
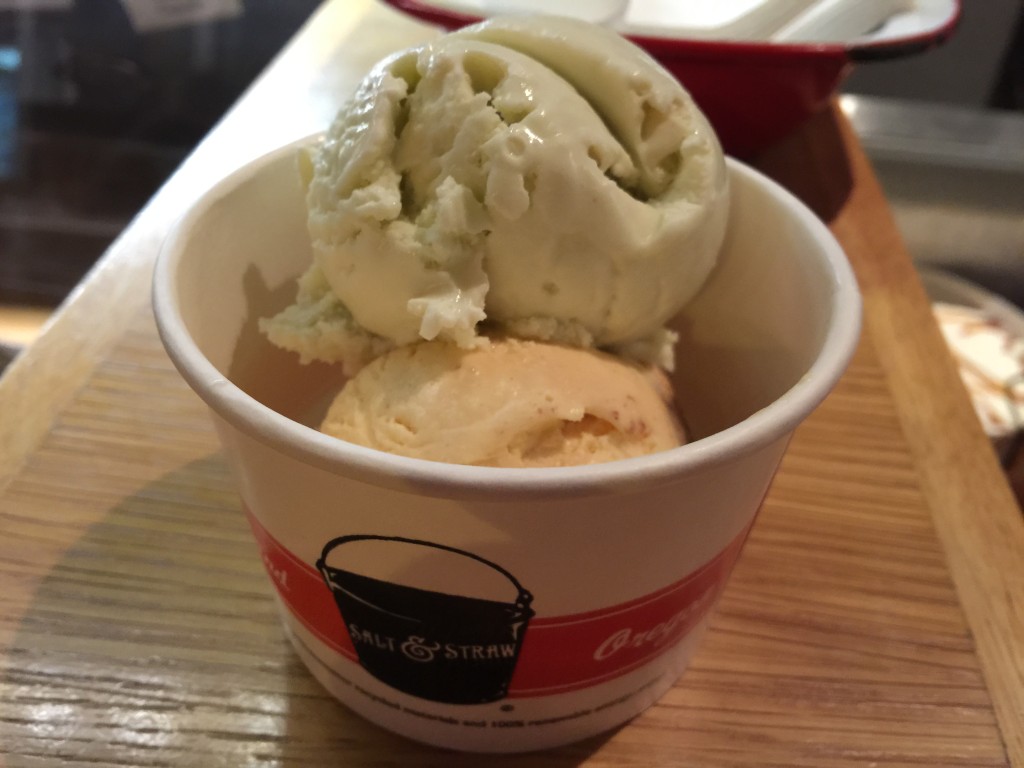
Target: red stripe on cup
<point>559,653</point>
<point>302,588</point>
<point>566,653</point>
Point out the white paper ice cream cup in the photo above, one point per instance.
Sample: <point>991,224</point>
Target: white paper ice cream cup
<point>488,609</point>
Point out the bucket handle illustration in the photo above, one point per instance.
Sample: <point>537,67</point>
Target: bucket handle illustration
<point>522,601</point>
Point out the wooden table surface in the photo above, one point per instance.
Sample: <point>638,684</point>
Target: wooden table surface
<point>876,617</point>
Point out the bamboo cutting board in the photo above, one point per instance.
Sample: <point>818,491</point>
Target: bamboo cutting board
<point>874,618</point>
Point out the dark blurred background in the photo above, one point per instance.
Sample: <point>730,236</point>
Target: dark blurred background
<point>945,132</point>
<point>95,113</point>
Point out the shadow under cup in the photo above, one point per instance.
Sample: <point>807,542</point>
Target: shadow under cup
<point>622,560</point>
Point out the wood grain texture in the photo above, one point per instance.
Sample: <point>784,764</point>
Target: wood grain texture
<point>139,628</point>
<point>868,622</point>
<point>973,508</point>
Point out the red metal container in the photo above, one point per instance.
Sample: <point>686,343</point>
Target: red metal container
<point>756,92</point>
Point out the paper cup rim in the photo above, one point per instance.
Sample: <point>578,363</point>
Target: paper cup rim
<point>311,447</point>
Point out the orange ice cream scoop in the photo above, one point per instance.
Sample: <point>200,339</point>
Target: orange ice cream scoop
<point>510,403</point>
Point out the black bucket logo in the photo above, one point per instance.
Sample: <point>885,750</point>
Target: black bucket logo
<point>412,633</point>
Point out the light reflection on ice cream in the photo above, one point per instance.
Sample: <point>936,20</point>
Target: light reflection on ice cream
<point>538,175</point>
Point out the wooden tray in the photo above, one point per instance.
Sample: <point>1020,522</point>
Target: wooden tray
<point>875,617</point>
